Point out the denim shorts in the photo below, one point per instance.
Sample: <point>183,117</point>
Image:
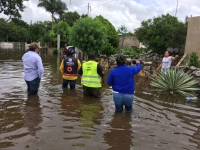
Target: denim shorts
<point>123,99</point>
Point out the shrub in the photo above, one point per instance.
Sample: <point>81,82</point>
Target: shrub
<point>175,82</point>
<point>129,51</point>
<point>55,51</point>
<point>194,60</point>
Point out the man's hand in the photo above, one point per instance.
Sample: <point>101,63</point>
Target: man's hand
<point>137,61</point>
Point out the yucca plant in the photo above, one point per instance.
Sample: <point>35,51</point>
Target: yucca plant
<point>175,82</point>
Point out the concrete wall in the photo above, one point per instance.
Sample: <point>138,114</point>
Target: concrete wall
<point>128,41</point>
<point>193,35</point>
<point>6,45</point>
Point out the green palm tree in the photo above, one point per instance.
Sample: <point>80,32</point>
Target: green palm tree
<point>54,7</point>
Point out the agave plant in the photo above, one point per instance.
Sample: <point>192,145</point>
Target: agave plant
<point>175,82</point>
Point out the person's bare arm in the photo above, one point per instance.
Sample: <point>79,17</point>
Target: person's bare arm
<point>174,58</point>
<point>159,67</point>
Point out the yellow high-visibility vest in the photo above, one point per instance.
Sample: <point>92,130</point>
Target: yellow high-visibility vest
<point>90,77</point>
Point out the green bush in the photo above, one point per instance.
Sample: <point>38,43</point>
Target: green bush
<point>129,51</point>
<point>175,82</point>
<point>55,51</point>
<point>194,60</point>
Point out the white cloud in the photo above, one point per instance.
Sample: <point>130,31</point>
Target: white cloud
<point>119,12</point>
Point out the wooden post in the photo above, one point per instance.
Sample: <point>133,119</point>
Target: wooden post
<point>58,50</point>
<point>180,61</point>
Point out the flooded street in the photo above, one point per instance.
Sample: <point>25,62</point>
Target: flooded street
<point>59,119</point>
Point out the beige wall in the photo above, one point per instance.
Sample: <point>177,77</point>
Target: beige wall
<point>193,35</point>
<point>128,41</point>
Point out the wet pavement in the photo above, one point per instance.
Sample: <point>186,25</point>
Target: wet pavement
<point>59,119</point>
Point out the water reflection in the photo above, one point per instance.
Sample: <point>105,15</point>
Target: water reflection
<point>32,114</point>
<point>120,135</point>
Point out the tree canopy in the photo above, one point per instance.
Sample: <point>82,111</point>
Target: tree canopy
<point>122,29</point>
<point>88,35</point>
<point>162,32</point>
<point>61,28</point>
<point>53,6</point>
<point>112,37</point>
<point>12,8</point>
<point>70,17</point>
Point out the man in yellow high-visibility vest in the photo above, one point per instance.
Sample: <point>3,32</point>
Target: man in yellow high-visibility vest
<point>92,77</point>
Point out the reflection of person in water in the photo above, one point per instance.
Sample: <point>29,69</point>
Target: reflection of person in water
<point>33,114</point>
<point>120,134</point>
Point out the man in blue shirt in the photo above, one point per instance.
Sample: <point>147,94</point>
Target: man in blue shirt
<point>121,78</point>
<point>33,68</point>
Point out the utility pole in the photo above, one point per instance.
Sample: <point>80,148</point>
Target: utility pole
<point>88,9</point>
<point>176,8</point>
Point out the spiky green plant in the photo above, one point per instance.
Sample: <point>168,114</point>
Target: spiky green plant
<point>175,82</point>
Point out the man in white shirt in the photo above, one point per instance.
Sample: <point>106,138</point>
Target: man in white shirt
<point>33,68</point>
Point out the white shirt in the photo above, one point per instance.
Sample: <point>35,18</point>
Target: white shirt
<point>166,62</point>
<point>33,66</point>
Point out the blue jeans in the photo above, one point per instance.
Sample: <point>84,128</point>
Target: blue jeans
<point>164,70</point>
<point>72,84</point>
<point>123,99</point>
<point>33,86</point>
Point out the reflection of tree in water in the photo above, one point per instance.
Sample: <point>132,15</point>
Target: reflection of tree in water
<point>73,105</point>
<point>70,102</point>
<point>120,135</point>
<point>33,114</point>
<point>90,115</point>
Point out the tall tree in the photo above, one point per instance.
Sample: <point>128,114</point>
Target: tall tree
<point>3,29</point>
<point>88,34</point>
<point>70,17</point>
<point>61,28</point>
<point>53,6</point>
<point>162,32</point>
<point>36,31</point>
<point>112,36</point>
<point>12,7</point>
<point>19,22</point>
<point>122,29</point>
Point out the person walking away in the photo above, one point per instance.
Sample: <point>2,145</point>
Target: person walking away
<point>166,62</point>
<point>33,68</point>
<point>92,77</point>
<point>69,68</point>
<point>121,78</point>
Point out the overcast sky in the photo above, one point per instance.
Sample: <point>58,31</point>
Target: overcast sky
<point>119,12</point>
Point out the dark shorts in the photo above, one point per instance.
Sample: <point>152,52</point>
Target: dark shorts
<point>72,84</point>
<point>33,86</point>
<point>89,91</point>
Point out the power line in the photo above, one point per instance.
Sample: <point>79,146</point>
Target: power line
<point>71,2</point>
<point>84,10</point>
<point>102,4</point>
<point>118,18</point>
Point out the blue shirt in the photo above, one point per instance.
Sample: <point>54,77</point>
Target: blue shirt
<point>121,78</point>
<point>33,66</point>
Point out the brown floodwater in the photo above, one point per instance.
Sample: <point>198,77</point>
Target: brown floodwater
<point>59,119</point>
